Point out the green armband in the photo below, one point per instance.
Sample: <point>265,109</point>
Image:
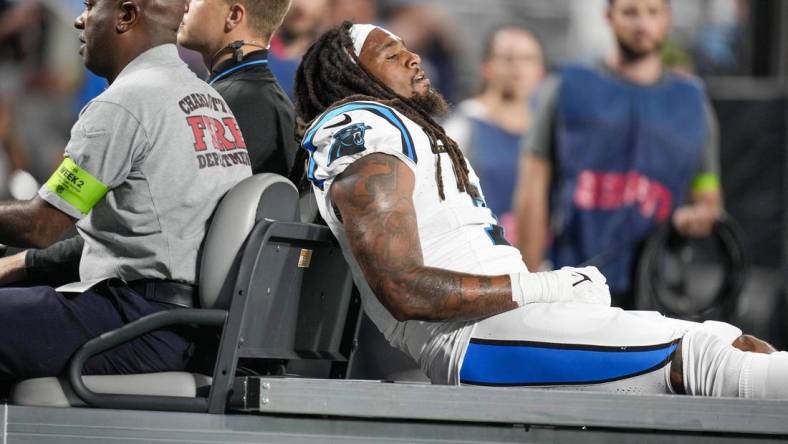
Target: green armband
<point>706,182</point>
<point>76,186</point>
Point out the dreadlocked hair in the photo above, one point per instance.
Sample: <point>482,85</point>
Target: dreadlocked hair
<point>330,75</point>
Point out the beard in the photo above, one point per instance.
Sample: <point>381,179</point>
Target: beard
<point>634,54</point>
<point>509,95</point>
<point>431,102</point>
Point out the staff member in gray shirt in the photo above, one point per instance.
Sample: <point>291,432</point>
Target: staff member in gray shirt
<point>232,38</point>
<point>146,165</point>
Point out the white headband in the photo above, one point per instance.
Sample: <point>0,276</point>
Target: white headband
<point>359,34</point>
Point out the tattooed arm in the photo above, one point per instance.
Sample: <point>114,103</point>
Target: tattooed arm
<point>374,198</point>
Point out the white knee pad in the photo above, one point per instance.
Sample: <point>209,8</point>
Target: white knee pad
<point>712,366</point>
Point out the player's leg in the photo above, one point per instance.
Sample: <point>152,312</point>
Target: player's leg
<point>576,346</point>
<point>598,348</point>
<point>713,363</point>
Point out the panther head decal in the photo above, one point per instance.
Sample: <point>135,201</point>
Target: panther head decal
<point>348,141</point>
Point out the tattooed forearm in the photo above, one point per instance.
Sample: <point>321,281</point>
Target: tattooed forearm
<point>436,294</point>
<point>374,196</point>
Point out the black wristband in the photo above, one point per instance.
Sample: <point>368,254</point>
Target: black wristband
<point>55,265</point>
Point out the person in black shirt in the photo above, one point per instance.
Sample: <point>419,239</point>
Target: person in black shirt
<point>233,38</point>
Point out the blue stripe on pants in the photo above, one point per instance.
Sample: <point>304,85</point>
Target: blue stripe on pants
<point>512,363</point>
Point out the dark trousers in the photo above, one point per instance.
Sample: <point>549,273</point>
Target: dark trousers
<point>40,329</point>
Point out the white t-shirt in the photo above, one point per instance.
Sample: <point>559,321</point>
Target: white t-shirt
<point>457,234</point>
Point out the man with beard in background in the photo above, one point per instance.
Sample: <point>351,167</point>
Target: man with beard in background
<point>616,148</point>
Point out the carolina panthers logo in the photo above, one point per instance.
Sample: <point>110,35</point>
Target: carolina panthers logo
<point>348,141</point>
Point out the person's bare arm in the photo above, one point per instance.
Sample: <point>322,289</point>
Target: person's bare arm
<point>32,223</point>
<point>531,208</point>
<point>698,218</point>
<point>531,199</point>
<point>12,268</point>
<point>9,136</point>
<point>374,198</point>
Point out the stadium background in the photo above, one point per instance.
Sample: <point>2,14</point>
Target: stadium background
<point>737,46</point>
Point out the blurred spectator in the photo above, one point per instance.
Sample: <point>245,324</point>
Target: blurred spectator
<point>357,11</point>
<point>41,82</point>
<point>431,33</point>
<point>14,18</point>
<point>13,158</point>
<point>720,42</point>
<point>488,127</point>
<point>303,23</point>
<point>616,148</point>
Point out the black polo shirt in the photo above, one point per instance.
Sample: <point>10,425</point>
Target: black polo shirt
<point>263,111</point>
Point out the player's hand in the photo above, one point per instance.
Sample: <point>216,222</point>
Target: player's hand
<point>587,284</point>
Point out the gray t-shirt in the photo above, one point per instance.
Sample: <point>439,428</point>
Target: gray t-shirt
<point>541,135</point>
<point>162,144</point>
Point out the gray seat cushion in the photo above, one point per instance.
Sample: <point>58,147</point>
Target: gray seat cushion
<point>57,392</point>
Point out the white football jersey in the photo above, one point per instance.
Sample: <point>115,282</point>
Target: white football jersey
<point>459,233</point>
